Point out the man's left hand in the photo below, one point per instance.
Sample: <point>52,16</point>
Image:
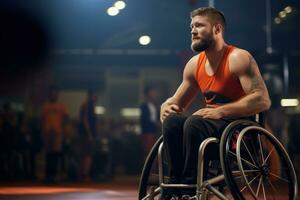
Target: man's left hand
<point>211,113</point>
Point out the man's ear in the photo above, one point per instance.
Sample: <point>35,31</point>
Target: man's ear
<point>218,28</point>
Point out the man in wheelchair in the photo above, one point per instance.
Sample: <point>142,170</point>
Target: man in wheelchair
<point>232,85</point>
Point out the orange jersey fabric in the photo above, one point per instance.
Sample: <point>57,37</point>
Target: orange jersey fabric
<point>222,87</point>
<point>53,115</point>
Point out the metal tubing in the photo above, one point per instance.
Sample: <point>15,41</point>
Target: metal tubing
<point>215,191</point>
<point>201,159</point>
<point>160,165</point>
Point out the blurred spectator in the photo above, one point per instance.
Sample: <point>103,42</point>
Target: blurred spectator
<point>71,150</point>
<point>149,117</point>
<point>87,132</point>
<point>294,135</point>
<point>32,116</point>
<point>54,115</point>
<point>101,169</point>
<point>294,138</point>
<point>23,143</point>
<point>36,144</point>
<point>276,115</point>
<point>8,129</point>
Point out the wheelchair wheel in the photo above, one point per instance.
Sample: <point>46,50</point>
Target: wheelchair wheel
<point>228,159</point>
<point>149,182</point>
<point>247,154</point>
<point>272,174</point>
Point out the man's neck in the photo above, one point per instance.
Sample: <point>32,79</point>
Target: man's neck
<point>215,53</point>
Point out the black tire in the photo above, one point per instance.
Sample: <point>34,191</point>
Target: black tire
<point>270,170</point>
<point>243,171</point>
<point>146,173</point>
<point>227,162</point>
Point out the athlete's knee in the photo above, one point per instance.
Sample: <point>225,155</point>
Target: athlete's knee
<point>194,125</point>
<point>173,122</point>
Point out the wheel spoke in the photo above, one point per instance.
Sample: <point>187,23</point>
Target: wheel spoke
<point>246,161</point>
<point>254,147</point>
<point>273,187</point>
<point>251,170</point>
<point>243,188</point>
<point>263,189</point>
<point>248,152</point>
<point>257,192</point>
<point>268,156</point>
<point>261,149</point>
<point>250,182</point>
<point>237,177</point>
<point>279,177</point>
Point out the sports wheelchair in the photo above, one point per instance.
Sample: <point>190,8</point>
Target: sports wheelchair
<point>252,164</point>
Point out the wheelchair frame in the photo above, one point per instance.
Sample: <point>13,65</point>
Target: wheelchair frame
<point>205,186</point>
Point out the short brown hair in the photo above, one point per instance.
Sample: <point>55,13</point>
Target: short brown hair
<point>214,15</point>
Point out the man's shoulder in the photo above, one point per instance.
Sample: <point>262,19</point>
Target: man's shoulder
<point>194,59</point>
<point>238,53</point>
<point>238,60</point>
<point>193,62</point>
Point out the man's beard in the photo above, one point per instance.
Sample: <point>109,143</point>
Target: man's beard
<point>202,45</point>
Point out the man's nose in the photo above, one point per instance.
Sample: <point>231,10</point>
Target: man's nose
<point>193,31</point>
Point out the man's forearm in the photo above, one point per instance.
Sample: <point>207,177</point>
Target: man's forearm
<point>249,105</point>
<point>170,100</point>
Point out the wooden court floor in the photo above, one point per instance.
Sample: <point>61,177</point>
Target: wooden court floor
<point>78,191</point>
<point>83,191</point>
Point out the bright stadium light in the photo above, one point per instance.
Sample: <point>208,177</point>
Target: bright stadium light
<point>120,5</point>
<point>282,14</point>
<point>277,20</point>
<point>289,102</point>
<point>288,9</point>
<point>144,40</point>
<point>112,11</point>
<point>99,110</point>
<point>130,112</point>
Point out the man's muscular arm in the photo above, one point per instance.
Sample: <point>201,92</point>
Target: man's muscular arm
<point>243,65</point>
<point>184,94</point>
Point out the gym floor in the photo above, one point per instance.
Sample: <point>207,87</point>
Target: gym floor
<point>125,190</point>
<point>91,191</point>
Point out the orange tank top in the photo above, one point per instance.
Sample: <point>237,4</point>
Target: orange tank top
<point>222,87</point>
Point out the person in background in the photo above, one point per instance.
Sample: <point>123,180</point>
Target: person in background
<point>54,115</point>
<point>8,132</point>
<point>149,118</point>
<point>87,132</point>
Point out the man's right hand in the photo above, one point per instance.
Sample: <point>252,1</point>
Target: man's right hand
<point>168,108</point>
